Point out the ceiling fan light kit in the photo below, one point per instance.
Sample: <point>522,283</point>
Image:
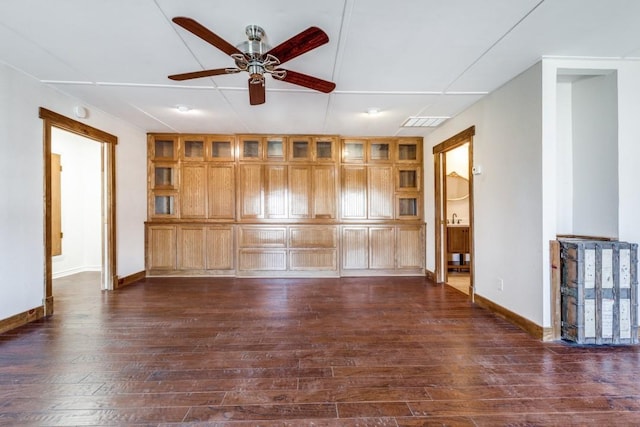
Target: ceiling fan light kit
<point>257,58</point>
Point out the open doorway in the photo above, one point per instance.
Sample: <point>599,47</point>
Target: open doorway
<point>454,211</point>
<point>54,122</point>
<point>76,204</point>
<point>76,184</point>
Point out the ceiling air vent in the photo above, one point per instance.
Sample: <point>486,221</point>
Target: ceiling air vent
<point>423,121</point>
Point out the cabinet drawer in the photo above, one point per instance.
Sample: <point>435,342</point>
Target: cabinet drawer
<point>313,259</point>
<point>313,237</point>
<point>263,237</point>
<point>262,260</point>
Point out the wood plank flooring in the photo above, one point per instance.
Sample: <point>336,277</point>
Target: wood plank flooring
<point>459,281</point>
<point>312,352</point>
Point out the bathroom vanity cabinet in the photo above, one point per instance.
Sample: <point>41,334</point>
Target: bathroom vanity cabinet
<point>458,246</point>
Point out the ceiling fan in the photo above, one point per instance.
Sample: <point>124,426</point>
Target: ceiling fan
<point>257,58</point>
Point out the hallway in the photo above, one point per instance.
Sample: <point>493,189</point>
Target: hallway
<point>299,352</point>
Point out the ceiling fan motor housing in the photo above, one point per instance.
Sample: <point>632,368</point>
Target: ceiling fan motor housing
<point>254,50</point>
<point>254,47</point>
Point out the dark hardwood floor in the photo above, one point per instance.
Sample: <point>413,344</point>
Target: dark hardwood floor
<point>312,352</point>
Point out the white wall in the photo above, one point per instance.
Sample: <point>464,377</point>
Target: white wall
<point>21,169</point>
<point>81,203</point>
<point>507,195</point>
<point>564,157</point>
<point>595,156</point>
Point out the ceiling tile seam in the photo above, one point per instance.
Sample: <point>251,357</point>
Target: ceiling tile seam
<point>494,44</point>
<point>230,88</point>
<point>66,82</point>
<point>37,46</point>
<point>347,11</point>
<point>151,116</point>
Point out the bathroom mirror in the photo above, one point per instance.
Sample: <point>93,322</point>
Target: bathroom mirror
<point>457,187</point>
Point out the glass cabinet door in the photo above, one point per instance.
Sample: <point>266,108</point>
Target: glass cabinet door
<point>164,176</point>
<point>407,178</point>
<point>409,152</point>
<point>379,151</point>
<point>324,150</point>
<point>276,149</point>
<point>251,149</point>
<point>300,149</point>
<point>193,149</point>
<point>353,151</point>
<point>164,148</point>
<point>222,150</point>
<point>407,206</point>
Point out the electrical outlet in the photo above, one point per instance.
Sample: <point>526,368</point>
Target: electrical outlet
<point>500,284</point>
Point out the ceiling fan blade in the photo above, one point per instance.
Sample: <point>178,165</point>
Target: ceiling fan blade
<point>307,40</point>
<point>257,93</point>
<point>198,74</point>
<point>206,34</point>
<point>307,81</point>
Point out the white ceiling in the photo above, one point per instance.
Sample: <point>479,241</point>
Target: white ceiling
<point>405,57</point>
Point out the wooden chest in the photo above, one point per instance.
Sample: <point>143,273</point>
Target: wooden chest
<point>599,291</point>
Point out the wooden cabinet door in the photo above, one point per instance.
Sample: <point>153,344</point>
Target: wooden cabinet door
<point>324,191</point>
<point>409,247</point>
<point>381,247</point>
<point>299,191</point>
<point>161,247</point>
<point>355,247</point>
<point>458,239</point>
<point>354,192</point>
<point>381,192</point>
<point>221,185</point>
<point>191,248</point>
<point>193,191</point>
<point>219,248</point>
<point>251,183</point>
<point>275,191</point>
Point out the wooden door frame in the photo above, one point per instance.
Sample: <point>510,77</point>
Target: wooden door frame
<point>439,151</point>
<point>108,148</point>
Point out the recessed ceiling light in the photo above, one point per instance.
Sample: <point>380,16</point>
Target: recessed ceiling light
<point>372,111</point>
<point>423,121</point>
<point>183,108</point>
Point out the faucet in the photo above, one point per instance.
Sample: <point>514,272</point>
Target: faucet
<point>453,218</point>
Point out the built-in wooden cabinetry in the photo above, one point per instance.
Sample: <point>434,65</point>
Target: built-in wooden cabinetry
<point>284,205</point>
